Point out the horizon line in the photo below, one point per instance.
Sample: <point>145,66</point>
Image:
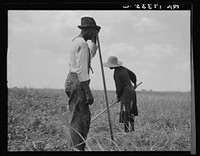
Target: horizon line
<point>142,90</point>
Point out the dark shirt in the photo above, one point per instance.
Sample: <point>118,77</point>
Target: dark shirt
<point>123,78</point>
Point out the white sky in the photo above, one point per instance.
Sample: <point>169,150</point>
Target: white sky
<point>153,44</point>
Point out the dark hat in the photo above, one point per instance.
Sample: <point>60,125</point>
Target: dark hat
<point>88,22</point>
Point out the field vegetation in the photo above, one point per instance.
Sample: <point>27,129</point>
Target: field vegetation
<point>38,120</point>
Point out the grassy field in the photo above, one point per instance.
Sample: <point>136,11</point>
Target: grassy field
<point>38,120</point>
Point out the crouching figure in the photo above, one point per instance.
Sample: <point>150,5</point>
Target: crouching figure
<point>125,92</point>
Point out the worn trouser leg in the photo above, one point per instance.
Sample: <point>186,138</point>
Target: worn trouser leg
<point>127,116</point>
<point>125,119</point>
<point>79,128</point>
<point>79,112</point>
<point>133,108</point>
<point>126,126</point>
<point>132,124</point>
<point>129,106</point>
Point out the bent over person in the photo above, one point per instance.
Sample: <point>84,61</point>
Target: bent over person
<point>78,80</point>
<point>125,92</point>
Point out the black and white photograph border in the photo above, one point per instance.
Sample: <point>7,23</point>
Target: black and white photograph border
<point>154,40</point>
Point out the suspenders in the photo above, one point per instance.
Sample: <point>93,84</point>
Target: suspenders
<point>89,63</point>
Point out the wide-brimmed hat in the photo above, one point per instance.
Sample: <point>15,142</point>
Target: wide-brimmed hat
<point>112,62</point>
<point>88,22</point>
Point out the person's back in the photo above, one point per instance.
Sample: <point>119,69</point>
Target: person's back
<point>124,87</point>
<point>122,73</point>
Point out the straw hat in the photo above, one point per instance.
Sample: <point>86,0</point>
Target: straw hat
<point>112,62</point>
<point>88,22</point>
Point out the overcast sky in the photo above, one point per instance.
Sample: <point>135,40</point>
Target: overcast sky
<point>155,45</point>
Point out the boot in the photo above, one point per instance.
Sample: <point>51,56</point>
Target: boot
<point>132,126</point>
<point>132,120</point>
<point>88,94</point>
<point>126,126</point>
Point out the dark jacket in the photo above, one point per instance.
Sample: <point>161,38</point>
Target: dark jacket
<point>123,78</point>
<point>125,91</point>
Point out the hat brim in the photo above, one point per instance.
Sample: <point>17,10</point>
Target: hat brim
<point>107,64</point>
<point>95,27</point>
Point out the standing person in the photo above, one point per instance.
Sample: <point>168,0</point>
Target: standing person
<point>125,92</point>
<point>78,80</point>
